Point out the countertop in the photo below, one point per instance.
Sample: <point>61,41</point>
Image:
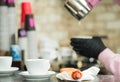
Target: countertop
<point>18,78</point>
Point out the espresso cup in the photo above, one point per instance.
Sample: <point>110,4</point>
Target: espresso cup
<point>5,62</point>
<point>37,66</point>
<point>83,37</point>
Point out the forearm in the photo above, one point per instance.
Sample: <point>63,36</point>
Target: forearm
<point>117,1</point>
<point>93,3</point>
<point>111,61</point>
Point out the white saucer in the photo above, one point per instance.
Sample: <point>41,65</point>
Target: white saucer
<point>27,76</point>
<point>10,71</point>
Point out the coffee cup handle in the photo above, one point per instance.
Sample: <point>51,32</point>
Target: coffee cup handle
<point>48,66</point>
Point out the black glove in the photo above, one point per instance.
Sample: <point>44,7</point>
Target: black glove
<point>88,47</point>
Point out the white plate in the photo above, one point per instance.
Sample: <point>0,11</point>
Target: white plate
<point>27,76</point>
<point>10,71</point>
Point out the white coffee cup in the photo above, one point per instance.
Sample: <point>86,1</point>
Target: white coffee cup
<point>83,37</point>
<point>5,62</point>
<point>37,66</point>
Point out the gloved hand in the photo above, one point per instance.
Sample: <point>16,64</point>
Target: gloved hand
<point>88,47</point>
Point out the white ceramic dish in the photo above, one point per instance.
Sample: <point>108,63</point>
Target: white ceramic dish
<point>27,76</point>
<point>10,71</point>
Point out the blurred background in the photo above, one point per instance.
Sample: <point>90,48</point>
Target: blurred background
<point>55,27</point>
<point>54,21</point>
